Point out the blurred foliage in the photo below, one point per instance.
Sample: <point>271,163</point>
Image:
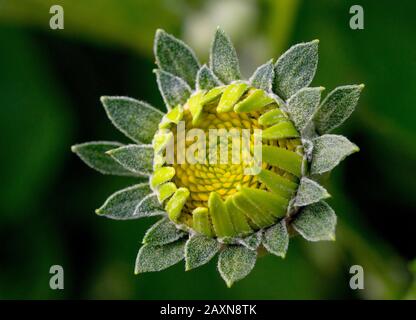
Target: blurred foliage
<point>32,109</point>
<point>50,82</point>
<point>129,23</point>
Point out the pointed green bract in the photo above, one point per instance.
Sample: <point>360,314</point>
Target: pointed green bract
<point>122,204</point>
<point>235,263</point>
<point>302,106</point>
<point>201,222</point>
<point>174,56</point>
<point>328,151</point>
<point>276,239</point>
<point>255,101</point>
<point>295,69</point>
<point>199,250</point>
<point>135,158</point>
<point>230,96</point>
<point>277,183</point>
<point>223,58</point>
<point>282,158</point>
<point>272,117</point>
<point>156,258</point>
<point>94,154</point>
<point>136,119</point>
<point>283,129</point>
<point>337,107</point>
<point>206,79</point>
<point>166,190</point>
<point>149,206</point>
<point>162,175</point>
<point>162,232</point>
<point>263,77</point>
<point>220,217</point>
<point>176,203</point>
<point>252,241</point>
<point>173,89</point>
<point>309,192</point>
<point>238,218</point>
<point>316,222</point>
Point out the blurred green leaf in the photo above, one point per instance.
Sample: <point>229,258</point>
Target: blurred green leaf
<point>129,23</point>
<point>34,123</point>
<point>386,270</point>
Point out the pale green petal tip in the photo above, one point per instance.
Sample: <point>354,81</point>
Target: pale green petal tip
<point>104,99</point>
<point>187,266</point>
<point>136,271</point>
<point>176,203</point>
<point>159,32</point>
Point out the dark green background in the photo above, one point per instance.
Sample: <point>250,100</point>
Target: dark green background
<point>50,84</point>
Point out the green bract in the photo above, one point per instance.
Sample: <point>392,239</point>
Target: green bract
<point>208,207</point>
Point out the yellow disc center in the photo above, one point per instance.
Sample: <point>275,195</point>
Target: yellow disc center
<point>203,178</point>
